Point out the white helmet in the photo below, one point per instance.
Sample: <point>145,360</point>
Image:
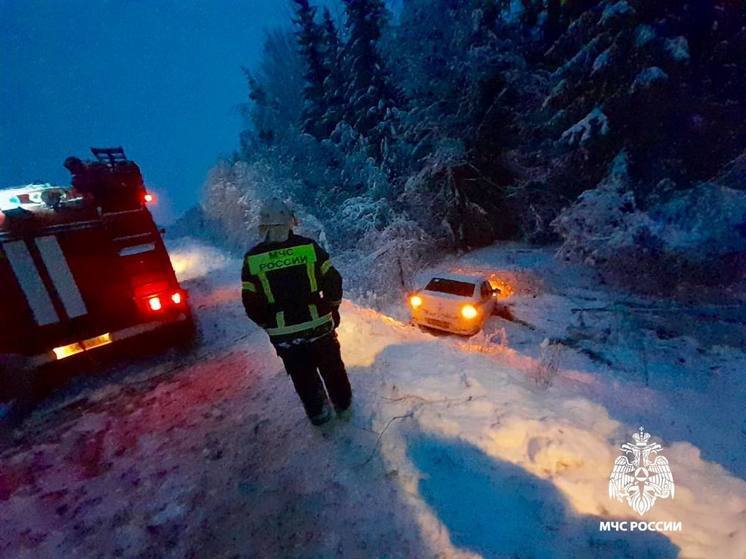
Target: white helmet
<point>276,212</point>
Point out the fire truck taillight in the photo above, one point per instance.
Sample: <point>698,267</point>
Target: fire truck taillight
<point>176,298</point>
<point>154,303</point>
<point>148,198</point>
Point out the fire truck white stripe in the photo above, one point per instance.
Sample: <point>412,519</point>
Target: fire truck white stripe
<point>61,275</point>
<point>137,249</point>
<point>31,283</point>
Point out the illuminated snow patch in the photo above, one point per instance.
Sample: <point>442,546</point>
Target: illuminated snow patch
<point>192,259</point>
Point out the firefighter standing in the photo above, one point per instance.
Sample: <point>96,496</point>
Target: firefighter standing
<point>291,289</point>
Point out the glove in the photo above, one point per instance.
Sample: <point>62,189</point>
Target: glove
<point>336,317</point>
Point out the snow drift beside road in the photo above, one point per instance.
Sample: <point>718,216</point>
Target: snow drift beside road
<point>487,402</point>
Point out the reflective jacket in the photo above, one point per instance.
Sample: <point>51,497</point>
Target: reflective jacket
<point>291,288</point>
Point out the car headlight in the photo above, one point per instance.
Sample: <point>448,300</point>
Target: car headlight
<point>415,301</point>
<point>469,312</point>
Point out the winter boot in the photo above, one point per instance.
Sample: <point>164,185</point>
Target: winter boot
<point>323,417</point>
<point>345,414</point>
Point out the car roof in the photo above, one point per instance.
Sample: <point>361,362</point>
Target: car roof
<point>459,277</point>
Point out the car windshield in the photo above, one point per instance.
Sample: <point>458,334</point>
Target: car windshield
<point>454,287</point>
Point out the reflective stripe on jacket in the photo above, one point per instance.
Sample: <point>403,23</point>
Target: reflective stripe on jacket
<point>290,288</point>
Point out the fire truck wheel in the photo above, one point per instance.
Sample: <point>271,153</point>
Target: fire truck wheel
<point>185,335</point>
<point>17,396</point>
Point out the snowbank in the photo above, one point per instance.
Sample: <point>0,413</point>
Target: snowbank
<point>461,402</point>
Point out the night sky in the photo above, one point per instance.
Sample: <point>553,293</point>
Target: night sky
<point>160,77</point>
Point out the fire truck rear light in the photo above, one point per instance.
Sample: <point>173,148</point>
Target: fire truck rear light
<point>148,198</point>
<point>67,350</point>
<point>176,298</point>
<point>155,304</point>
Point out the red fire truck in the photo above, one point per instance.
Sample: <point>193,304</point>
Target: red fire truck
<point>82,268</point>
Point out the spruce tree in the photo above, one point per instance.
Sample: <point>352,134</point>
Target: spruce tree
<point>333,84</point>
<point>309,36</point>
<point>367,93</point>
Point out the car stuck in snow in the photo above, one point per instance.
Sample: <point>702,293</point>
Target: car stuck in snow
<point>454,303</point>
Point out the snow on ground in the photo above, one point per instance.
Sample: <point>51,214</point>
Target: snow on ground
<point>493,446</point>
<point>194,259</point>
<point>475,406</point>
<point>653,363</point>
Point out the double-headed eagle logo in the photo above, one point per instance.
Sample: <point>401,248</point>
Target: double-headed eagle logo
<point>641,475</point>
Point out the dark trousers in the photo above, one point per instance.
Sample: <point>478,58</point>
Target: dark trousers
<point>305,362</point>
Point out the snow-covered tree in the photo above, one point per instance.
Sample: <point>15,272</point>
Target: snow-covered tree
<point>473,120</point>
<point>334,82</point>
<point>275,94</point>
<point>368,93</point>
<point>310,36</point>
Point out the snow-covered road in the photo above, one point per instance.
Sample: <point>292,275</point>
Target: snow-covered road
<point>457,448</point>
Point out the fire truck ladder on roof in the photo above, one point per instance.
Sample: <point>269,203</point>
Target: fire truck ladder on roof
<point>111,157</point>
